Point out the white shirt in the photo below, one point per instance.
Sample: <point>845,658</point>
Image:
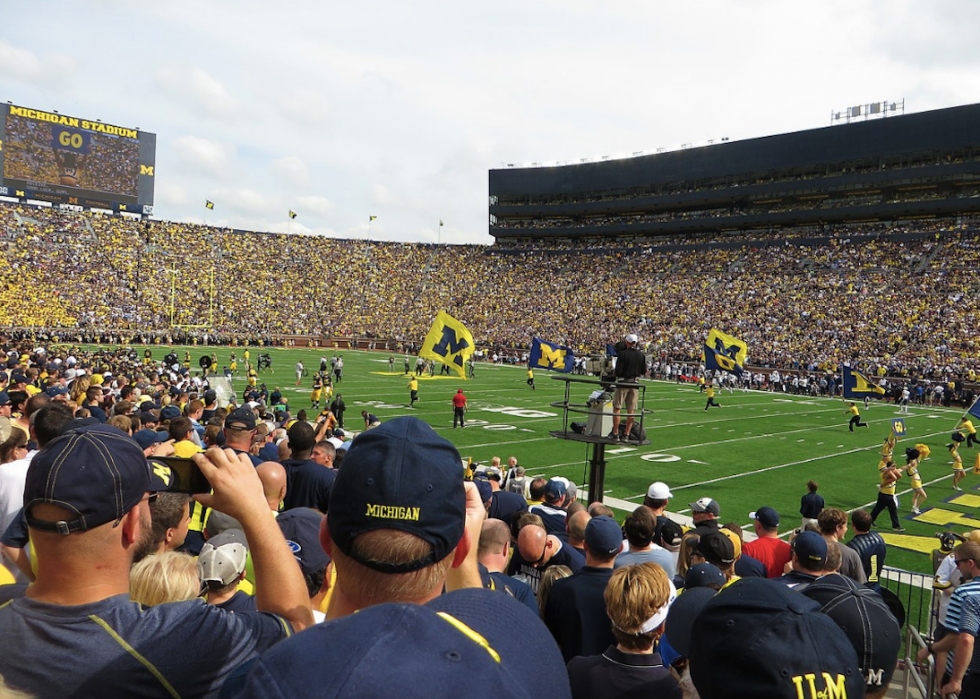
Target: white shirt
<point>13,478</point>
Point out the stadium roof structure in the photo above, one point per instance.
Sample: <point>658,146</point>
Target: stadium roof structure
<point>920,165</point>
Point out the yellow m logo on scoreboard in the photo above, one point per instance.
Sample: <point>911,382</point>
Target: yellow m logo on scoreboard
<point>146,170</point>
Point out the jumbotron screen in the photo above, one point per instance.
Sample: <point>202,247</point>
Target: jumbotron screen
<point>69,160</point>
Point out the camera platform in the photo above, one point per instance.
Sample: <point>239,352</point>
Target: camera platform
<point>597,410</point>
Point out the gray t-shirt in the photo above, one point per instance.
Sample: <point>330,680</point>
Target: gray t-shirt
<point>851,566</point>
<point>657,554</point>
<point>116,648</point>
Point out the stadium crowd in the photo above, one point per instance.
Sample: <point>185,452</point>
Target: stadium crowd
<point>386,563</point>
<point>904,304</point>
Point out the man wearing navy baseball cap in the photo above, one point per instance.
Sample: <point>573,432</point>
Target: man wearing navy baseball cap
<point>401,521</point>
<point>77,632</point>
<point>576,609</point>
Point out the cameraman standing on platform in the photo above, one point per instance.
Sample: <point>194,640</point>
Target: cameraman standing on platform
<point>630,366</point>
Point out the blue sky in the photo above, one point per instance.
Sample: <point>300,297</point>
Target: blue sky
<point>399,110</point>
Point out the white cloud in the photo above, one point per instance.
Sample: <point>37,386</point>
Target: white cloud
<point>319,206</point>
<point>51,70</point>
<point>292,170</point>
<point>168,193</point>
<point>202,156</point>
<point>193,88</point>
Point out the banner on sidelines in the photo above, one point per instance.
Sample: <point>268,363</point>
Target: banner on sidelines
<point>724,353</point>
<point>898,427</point>
<point>449,342</point>
<point>856,385</point>
<point>551,356</point>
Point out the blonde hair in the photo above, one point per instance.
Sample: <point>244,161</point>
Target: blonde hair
<point>166,577</point>
<point>548,577</point>
<point>633,595</point>
<point>688,542</point>
<point>78,387</point>
<point>371,586</point>
<point>122,422</point>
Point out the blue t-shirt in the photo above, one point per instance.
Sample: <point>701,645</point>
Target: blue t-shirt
<point>308,484</point>
<point>116,648</point>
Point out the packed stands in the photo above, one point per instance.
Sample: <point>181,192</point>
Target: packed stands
<point>896,295</point>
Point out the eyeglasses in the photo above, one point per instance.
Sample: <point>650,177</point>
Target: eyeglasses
<point>541,557</point>
<point>151,498</point>
<point>962,560</point>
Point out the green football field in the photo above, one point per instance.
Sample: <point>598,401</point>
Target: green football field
<point>757,449</point>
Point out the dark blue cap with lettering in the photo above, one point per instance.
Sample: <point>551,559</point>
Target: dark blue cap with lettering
<point>403,476</point>
<point>759,638</point>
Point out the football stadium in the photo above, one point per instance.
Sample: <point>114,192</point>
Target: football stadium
<point>747,361</point>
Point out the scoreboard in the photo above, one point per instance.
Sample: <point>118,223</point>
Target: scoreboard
<point>70,161</point>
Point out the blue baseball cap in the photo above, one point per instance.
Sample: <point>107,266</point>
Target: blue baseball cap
<point>98,473</point>
<point>147,438</point>
<point>810,547</point>
<point>301,527</point>
<point>400,475</point>
<point>759,638</point>
<point>603,535</point>
<point>473,642</point>
<point>554,490</point>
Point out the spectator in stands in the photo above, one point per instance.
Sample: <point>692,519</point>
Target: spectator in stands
<point>164,578</point>
<point>705,513</point>
<point>170,515</point>
<point>221,567</point>
<point>639,529</point>
<point>869,546</point>
<point>537,550</point>
<point>962,618</point>
<point>833,528</point>
<point>494,554</point>
<point>86,526</point>
<point>809,558</point>
<point>793,645</point>
<point>400,519</point>
<point>552,510</point>
<point>637,599</point>
<point>870,627</point>
<point>308,484</point>
<point>576,612</point>
<point>768,547</point>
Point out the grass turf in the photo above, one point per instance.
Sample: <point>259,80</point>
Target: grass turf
<point>758,449</point>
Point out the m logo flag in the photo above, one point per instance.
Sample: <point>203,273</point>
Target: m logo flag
<point>548,355</point>
<point>857,386</point>
<point>292,214</point>
<point>208,204</point>
<point>448,342</point>
<point>724,352</point>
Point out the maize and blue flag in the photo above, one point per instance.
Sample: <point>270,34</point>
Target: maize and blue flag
<point>724,352</point>
<point>449,342</point>
<point>550,356</point>
<point>975,409</point>
<point>856,385</point>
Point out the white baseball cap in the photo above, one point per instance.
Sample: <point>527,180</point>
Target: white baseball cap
<point>659,491</point>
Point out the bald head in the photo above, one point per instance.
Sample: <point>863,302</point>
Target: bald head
<point>531,542</point>
<point>576,526</point>
<point>273,477</point>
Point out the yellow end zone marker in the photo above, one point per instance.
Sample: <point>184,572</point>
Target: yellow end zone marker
<point>966,500</point>
<point>945,518</point>
<point>910,542</point>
